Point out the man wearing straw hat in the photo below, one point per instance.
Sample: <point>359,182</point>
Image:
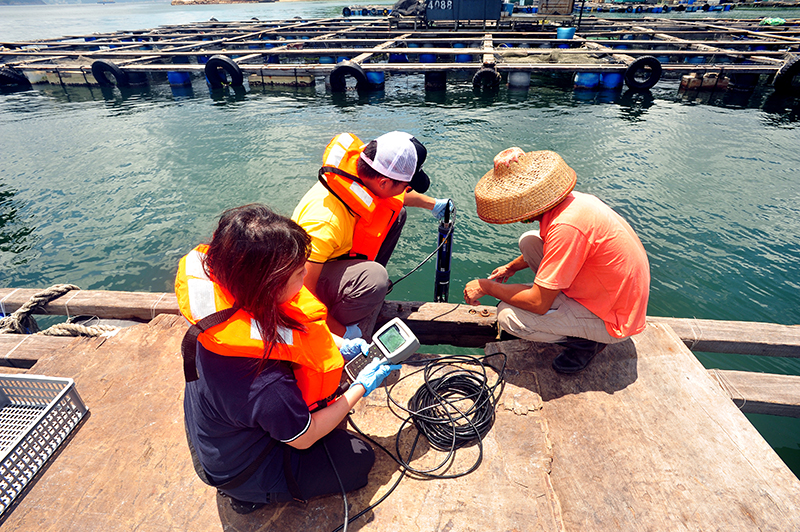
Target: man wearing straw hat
<point>592,275</point>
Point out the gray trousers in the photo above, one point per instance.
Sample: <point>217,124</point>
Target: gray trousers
<point>354,289</point>
<point>566,316</point>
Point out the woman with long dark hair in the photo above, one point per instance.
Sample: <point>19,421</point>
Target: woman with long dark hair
<point>261,403</point>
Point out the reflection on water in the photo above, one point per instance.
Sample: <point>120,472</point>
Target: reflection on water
<point>15,235</point>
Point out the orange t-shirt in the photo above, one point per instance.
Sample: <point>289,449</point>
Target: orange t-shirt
<point>593,256</point>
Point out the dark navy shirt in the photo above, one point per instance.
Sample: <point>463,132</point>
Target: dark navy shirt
<point>232,414</point>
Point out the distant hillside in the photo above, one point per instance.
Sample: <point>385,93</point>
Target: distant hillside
<point>22,2</point>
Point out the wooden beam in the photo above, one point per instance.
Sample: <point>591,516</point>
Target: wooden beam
<point>488,51</point>
<point>388,44</point>
<point>101,303</point>
<point>740,337</point>
<point>761,393</point>
<point>455,324</point>
<point>23,350</point>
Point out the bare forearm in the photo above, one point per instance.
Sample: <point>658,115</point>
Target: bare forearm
<point>415,199</point>
<point>519,295</point>
<point>325,420</point>
<point>517,264</point>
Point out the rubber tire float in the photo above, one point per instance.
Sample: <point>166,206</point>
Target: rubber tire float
<point>9,76</point>
<point>348,68</point>
<point>641,65</point>
<point>346,12</point>
<point>486,79</point>
<point>786,74</point>
<point>102,67</point>
<point>218,80</point>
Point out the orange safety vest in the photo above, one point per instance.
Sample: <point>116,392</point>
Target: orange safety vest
<point>374,216</point>
<point>229,331</point>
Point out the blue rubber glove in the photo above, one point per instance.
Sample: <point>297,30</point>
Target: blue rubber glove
<point>372,376</point>
<point>440,206</point>
<point>352,331</point>
<point>352,348</point>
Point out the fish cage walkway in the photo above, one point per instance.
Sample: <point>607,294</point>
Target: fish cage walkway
<point>361,53</point>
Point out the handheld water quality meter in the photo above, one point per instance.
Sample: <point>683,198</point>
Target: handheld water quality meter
<point>393,343</point>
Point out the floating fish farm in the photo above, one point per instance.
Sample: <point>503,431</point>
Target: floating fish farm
<point>364,53</point>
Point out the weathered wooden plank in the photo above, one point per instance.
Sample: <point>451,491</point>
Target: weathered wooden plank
<point>466,326</point>
<point>748,338</point>
<point>100,303</point>
<point>455,324</point>
<point>128,466</point>
<point>761,393</point>
<point>644,439</point>
<point>23,350</point>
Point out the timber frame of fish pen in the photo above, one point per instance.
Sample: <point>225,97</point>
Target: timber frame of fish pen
<point>360,53</point>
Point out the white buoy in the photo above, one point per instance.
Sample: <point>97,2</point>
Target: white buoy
<point>520,80</point>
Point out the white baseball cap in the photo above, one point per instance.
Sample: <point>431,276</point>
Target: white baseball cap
<point>399,156</point>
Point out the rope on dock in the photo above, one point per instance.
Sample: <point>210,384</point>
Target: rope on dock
<point>21,321</point>
<point>76,329</point>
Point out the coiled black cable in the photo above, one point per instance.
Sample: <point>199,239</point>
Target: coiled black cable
<point>454,408</point>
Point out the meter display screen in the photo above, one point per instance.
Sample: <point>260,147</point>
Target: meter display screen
<point>391,339</point>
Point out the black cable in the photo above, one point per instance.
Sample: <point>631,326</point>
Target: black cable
<point>434,252</point>
<point>453,409</point>
<point>341,485</point>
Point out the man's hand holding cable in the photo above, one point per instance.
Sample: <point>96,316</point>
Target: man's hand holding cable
<point>440,207</point>
<point>372,376</point>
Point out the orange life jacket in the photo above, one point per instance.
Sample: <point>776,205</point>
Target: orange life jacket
<point>229,331</point>
<point>374,216</point>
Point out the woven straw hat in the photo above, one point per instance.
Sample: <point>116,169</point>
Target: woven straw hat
<point>522,186</point>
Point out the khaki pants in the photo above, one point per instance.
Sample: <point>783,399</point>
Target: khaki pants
<point>354,289</point>
<point>566,316</point>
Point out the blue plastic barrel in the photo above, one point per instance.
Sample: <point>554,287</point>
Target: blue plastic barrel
<point>326,60</point>
<point>398,58</point>
<point>611,80</point>
<point>462,58</point>
<point>565,33</point>
<point>696,59</point>
<point>427,58</point>
<point>587,80</point>
<point>179,79</point>
<point>376,78</point>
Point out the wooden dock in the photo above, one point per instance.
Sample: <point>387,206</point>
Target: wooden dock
<point>644,439</point>
<point>446,324</point>
<point>361,53</point>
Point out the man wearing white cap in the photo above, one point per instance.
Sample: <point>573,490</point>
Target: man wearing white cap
<point>592,274</point>
<point>355,215</point>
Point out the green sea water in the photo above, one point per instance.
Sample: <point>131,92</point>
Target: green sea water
<point>108,189</point>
